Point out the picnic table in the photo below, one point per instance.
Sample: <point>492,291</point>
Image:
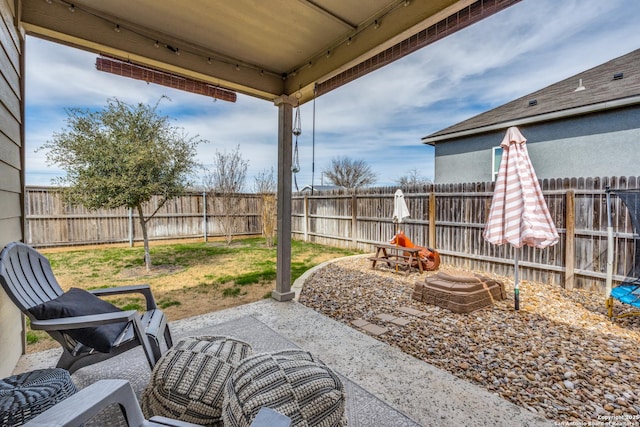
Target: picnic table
<point>395,255</point>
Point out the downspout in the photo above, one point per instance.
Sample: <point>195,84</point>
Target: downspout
<point>609,280</point>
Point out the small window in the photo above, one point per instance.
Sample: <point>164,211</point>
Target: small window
<point>495,162</point>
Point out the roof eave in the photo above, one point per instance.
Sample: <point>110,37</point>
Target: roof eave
<point>554,115</point>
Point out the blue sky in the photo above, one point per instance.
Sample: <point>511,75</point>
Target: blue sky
<point>379,118</point>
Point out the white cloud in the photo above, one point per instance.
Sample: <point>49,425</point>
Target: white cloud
<point>379,118</point>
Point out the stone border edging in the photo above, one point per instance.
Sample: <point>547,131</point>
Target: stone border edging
<point>300,281</point>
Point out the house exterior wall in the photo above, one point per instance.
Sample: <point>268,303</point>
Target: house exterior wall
<point>11,174</point>
<point>599,144</point>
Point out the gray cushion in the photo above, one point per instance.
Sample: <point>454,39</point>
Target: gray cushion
<point>78,302</point>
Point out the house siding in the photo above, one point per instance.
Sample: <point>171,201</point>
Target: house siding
<point>11,174</point>
<point>599,144</point>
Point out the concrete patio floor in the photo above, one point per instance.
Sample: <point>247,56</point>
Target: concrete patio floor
<point>385,387</point>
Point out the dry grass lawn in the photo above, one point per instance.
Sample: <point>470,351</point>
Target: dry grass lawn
<point>188,278</point>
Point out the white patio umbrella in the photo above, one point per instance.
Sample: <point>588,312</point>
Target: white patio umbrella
<point>400,210</point>
<point>519,215</point>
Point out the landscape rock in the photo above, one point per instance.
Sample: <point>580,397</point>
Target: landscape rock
<point>558,356</point>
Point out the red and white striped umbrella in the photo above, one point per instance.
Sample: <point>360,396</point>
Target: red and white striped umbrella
<point>519,215</point>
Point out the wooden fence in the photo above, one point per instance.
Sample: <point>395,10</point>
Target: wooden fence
<point>451,219</point>
<point>52,222</point>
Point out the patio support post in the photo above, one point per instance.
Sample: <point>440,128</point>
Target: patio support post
<point>283,263</point>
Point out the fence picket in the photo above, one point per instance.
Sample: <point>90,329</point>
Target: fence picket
<point>448,217</point>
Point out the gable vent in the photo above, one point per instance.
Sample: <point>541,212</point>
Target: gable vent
<point>618,76</point>
<point>533,102</point>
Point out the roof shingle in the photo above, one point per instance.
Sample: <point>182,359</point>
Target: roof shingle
<point>600,87</point>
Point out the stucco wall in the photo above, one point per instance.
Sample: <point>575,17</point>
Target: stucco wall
<point>604,144</point>
<point>11,176</point>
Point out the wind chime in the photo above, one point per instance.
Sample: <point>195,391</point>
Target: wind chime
<point>297,130</point>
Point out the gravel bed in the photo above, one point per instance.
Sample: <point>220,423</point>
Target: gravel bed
<point>559,356</point>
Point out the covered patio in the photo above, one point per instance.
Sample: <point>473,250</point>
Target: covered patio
<point>385,387</point>
<point>286,52</point>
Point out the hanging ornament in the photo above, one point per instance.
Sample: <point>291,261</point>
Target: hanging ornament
<point>297,130</point>
<point>297,124</point>
<point>295,167</point>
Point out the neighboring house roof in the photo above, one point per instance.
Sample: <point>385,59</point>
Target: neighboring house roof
<point>613,84</point>
<point>321,188</point>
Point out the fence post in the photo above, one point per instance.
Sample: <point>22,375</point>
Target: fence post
<point>354,222</point>
<point>130,227</point>
<point>306,218</point>
<point>570,244</point>
<point>432,219</point>
<point>204,216</point>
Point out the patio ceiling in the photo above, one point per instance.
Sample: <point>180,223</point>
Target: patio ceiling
<point>261,48</point>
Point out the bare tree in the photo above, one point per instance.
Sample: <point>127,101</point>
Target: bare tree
<point>413,179</point>
<point>349,173</point>
<point>265,186</point>
<point>224,184</point>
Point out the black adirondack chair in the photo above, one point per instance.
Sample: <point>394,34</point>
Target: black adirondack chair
<point>89,329</point>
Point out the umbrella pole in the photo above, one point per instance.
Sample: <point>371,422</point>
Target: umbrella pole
<point>516,289</point>
<point>395,234</point>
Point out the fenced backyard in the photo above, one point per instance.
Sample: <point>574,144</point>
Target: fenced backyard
<point>447,217</point>
<point>52,222</point>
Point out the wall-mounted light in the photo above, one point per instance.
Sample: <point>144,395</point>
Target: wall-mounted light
<point>156,44</point>
<point>117,28</point>
<point>72,8</point>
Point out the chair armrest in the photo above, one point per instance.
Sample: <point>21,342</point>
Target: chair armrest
<point>164,421</point>
<point>88,402</point>
<point>81,407</point>
<point>83,321</point>
<point>145,290</point>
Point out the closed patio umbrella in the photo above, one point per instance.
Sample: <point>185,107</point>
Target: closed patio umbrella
<point>519,215</point>
<point>400,210</point>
